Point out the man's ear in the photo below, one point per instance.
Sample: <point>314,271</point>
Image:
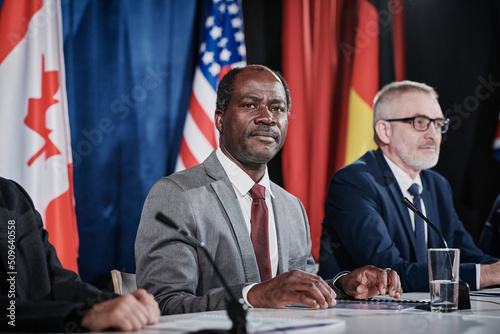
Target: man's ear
<point>384,131</point>
<point>219,119</point>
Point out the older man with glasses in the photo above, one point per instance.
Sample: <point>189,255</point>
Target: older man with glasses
<point>365,221</point>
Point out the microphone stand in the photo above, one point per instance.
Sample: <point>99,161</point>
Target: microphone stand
<point>413,208</point>
<point>463,287</point>
<point>236,310</point>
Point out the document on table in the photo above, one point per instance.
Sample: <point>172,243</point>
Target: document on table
<point>495,292</point>
<point>379,303</point>
<point>256,324</point>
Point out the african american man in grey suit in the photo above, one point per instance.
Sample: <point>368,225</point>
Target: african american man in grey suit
<point>212,202</point>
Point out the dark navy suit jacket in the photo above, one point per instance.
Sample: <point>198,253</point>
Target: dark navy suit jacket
<point>48,298</point>
<point>367,223</point>
<point>489,241</point>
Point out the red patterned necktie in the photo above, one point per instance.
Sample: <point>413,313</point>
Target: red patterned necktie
<point>260,231</point>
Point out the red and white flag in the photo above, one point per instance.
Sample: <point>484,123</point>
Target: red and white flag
<point>222,48</point>
<point>34,127</point>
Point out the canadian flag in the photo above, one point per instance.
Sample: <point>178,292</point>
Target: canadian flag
<point>35,148</point>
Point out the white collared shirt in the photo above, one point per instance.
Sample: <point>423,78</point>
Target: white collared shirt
<point>405,181</point>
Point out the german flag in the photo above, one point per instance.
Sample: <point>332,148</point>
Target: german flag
<point>336,56</point>
<point>378,59</point>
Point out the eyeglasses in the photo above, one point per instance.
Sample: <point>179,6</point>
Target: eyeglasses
<point>421,123</point>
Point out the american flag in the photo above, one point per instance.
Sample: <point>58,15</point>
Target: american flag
<point>223,48</point>
<point>496,143</point>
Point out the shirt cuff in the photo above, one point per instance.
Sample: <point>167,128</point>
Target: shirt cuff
<point>478,276</point>
<point>244,292</point>
<point>340,292</point>
<point>339,275</point>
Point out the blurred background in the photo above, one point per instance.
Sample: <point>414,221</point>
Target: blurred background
<point>129,75</point>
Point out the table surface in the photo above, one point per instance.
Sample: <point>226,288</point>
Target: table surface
<point>483,317</point>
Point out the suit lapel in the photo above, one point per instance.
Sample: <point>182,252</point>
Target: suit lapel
<point>282,233</point>
<point>397,196</point>
<point>225,192</point>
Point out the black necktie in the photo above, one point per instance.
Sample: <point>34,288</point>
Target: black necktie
<point>260,231</point>
<point>421,245</point>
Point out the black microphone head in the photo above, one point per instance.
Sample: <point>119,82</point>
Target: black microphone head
<point>413,208</point>
<point>409,204</point>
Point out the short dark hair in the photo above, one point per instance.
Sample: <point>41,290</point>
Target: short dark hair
<point>226,86</point>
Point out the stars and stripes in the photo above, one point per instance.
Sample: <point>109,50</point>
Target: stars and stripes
<point>222,48</point>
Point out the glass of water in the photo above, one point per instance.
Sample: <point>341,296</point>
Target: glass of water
<point>444,266</point>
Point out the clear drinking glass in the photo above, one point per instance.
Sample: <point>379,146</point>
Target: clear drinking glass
<point>444,266</point>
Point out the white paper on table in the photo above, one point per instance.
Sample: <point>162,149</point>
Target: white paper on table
<point>256,324</point>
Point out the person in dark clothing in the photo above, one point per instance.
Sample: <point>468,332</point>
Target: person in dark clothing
<point>38,295</point>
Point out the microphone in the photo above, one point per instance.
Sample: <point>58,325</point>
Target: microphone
<point>463,287</point>
<point>237,310</point>
<point>413,208</point>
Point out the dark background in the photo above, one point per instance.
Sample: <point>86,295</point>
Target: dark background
<point>452,45</point>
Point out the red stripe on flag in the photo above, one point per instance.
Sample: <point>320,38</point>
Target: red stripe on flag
<point>204,123</point>
<point>188,159</point>
<point>296,67</point>
<point>365,76</point>
<point>60,222</point>
<point>397,10</point>
<point>224,71</point>
<point>14,20</point>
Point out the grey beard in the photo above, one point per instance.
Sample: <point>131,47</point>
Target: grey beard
<point>419,163</point>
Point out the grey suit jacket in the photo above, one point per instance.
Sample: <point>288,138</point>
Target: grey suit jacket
<point>202,200</point>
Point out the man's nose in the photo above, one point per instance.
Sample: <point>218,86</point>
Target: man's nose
<point>266,116</point>
<point>433,130</point>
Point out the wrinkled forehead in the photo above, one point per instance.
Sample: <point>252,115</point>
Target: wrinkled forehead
<point>259,79</point>
<point>257,72</point>
<point>412,103</point>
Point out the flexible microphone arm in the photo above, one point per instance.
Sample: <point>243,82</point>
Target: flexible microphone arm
<point>237,309</point>
<point>413,208</point>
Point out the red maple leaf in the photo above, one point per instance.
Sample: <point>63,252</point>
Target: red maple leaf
<point>37,109</point>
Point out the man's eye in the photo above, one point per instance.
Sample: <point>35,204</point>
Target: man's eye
<point>439,122</point>
<point>278,109</point>
<point>249,105</point>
